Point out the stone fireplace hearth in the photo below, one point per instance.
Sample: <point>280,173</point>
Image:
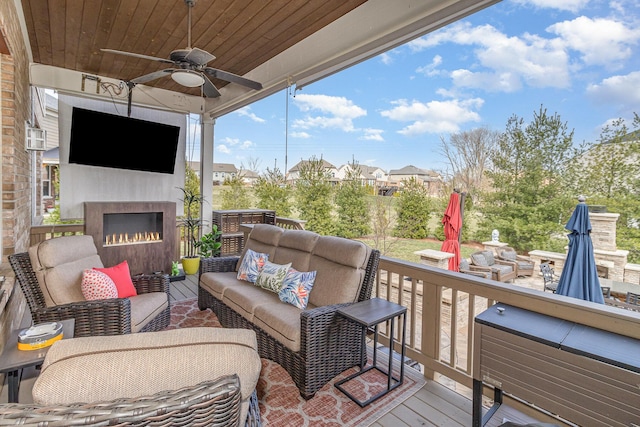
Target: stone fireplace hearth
<point>142,233</point>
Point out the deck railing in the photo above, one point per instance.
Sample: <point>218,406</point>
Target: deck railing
<point>40,233</point>
<point>442,306</point>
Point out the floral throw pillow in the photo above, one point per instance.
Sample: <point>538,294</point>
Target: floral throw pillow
<point>272,276</point>
<point>97,285</point>
<point>251,265</point>
<point>297,287</point>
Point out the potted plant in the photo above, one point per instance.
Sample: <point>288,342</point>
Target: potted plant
<point>209,244</point>
<point>191,223</point>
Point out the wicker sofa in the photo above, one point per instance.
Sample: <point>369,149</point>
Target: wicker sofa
<point>315,344</point>
<point>50,274</point>
<point>190,376</point>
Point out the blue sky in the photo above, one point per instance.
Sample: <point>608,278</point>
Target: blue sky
<point>578,58</point>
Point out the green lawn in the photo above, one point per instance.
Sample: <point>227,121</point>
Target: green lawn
<point>404,248</point>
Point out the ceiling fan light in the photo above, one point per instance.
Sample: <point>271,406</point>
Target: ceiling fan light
<point>187,78</point>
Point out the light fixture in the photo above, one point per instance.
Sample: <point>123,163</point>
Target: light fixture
<point>187,78</point>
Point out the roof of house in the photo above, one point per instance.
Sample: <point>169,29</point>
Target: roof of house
<point>225,167</point>
<point>297,167</point>
<point>413,170</point>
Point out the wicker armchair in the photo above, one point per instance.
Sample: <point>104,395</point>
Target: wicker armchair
<point>330,343</point>
<point>96,317</point>
<point>524,264</point>
<point>210,403</point>
<point>474,270</point>
<point>502,271</point>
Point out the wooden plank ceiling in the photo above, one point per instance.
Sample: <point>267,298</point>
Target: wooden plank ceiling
<point>242,34</point>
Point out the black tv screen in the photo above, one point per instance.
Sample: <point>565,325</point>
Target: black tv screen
<point>111,141</point>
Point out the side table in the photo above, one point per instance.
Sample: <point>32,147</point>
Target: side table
<point>371,313</point>
<point>13,361</point>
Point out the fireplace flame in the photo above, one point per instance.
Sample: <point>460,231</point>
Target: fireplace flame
<point>126,239</point>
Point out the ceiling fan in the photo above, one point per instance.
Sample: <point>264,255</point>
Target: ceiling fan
<point>190,67</point>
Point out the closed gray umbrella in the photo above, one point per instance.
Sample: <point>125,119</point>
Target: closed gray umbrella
<point>579,278</point>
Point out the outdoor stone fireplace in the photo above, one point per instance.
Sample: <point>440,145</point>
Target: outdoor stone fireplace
<point>142,233</point>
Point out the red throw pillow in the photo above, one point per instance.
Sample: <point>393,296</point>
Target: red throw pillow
<point>122,278</point>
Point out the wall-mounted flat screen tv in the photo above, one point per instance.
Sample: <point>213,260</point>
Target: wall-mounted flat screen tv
<point>111,141</point>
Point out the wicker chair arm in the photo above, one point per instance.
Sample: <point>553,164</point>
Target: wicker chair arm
<point>218,264</point>
<point>146,283</point>
<point>96,317</point>
<point>215,402</point>
<point>325,335</point>
<point>503,262</point>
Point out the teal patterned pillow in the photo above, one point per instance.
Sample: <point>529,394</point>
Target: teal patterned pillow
<point>272,276</point>
<point>297,287</point>
<point>251,265</point>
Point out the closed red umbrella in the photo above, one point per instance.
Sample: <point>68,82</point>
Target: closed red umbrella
<point>452,222</point>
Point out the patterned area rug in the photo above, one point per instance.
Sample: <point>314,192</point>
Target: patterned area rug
<point>280,401</point>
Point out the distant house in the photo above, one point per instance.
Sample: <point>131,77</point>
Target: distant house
<point>294,172</point>
<point>431,180</point>
<point>370,175</point>
<point>249,177</point>
<point>221,171</point>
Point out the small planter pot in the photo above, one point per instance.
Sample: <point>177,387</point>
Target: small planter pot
<point>191,265</point>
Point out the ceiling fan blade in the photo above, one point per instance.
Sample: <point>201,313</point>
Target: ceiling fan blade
<point>153,76</point>
<point>138,55</point>
<point>210,91</point>
<point>233,78</point>
<point>199,56</point>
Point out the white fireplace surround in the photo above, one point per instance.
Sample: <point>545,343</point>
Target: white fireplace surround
<point>80,183</point>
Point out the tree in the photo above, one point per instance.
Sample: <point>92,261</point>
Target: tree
<point>235,195</point>
<point>313,196</point>
<point>382,223</point>
<point>352,206</point>
<point>530,204</point>
<point>609,168</point>
<point>273,192</point>
<point>467,154</point>
<point>414,208</point>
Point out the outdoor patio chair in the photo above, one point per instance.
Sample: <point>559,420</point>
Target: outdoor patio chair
<point>606,292</point>
<point>550,281</point>
<point>466,268</point>
<point>633,298</point>
<point>502,271</point>
<point>524,264</point>
<point>61,268</point>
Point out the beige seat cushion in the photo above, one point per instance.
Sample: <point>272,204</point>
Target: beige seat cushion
<point>59,263</point>
<point>94,369</point>
<point>216,283</point>
<point>281,321</point>
<point>245,297</point>
<point>146,307</point>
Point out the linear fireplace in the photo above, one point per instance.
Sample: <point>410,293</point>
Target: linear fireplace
<point>142,233</point>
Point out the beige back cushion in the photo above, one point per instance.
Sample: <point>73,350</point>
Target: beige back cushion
<point>263,238</point>
<point>295,247</point>
<point>340,265</point>
<point>58,264</point>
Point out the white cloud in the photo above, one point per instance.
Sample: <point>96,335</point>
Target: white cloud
<point>504,63</point>
<point>599,41</point>
<point>372,135</point>
<point>336,112</point>
<point>235,142</point>
<point>569,5</point>
<point>303,135</point>
<point>620,90</point>
<point>246,112</point>
<point>223,149</point>
<point>386,58</point>
<point>431,69</point>
<point>434,116</point>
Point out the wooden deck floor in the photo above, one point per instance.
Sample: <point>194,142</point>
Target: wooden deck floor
<point>433,405</point>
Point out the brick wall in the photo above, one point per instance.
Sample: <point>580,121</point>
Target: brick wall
<point>16,161</point>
